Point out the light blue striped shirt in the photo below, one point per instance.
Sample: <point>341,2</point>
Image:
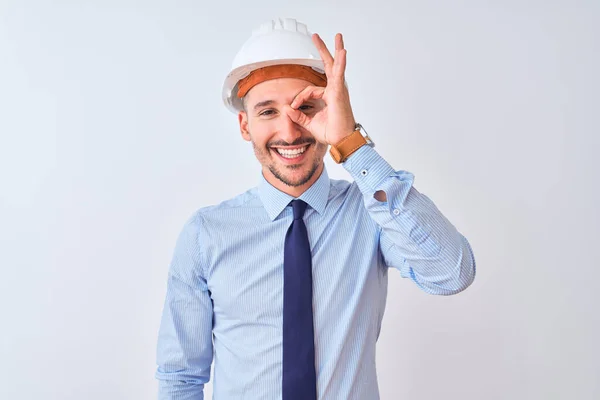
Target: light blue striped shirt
<point>225,283</point>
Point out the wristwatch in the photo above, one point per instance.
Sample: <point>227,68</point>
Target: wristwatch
<point>343,149</point>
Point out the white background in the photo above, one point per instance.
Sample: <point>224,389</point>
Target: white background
<point>113,133</point>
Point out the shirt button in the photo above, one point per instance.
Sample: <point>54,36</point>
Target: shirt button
<point>364,172</point>
<point>396,211</point>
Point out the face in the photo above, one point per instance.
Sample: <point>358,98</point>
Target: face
<point>289,154</point>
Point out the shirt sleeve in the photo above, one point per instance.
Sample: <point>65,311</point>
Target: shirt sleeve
<point>416,238</point>
<point>185,348</point>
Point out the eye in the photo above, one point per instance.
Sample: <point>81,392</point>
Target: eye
<point>305,107</point>
<point>267,112</point>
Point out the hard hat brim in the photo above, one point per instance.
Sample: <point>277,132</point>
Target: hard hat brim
<point>230,86</point>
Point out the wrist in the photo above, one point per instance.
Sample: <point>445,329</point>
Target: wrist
<point>343,133</point>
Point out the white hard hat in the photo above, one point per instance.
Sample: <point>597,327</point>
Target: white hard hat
<point>280,41</point>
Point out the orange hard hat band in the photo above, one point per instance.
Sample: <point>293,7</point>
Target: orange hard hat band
<point>280,71</point>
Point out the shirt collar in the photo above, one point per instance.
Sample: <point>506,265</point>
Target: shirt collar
<point>275,200</point>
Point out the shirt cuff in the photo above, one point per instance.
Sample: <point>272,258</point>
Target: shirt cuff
<point>368,169</point>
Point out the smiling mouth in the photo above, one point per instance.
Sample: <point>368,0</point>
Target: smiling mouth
<point>291,153</point>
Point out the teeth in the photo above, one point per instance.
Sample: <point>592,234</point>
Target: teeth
<point>292,153</point>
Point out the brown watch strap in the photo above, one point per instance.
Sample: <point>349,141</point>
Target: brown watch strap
<point>344,148</point>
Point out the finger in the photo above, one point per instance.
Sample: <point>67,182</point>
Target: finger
<point>309,92</point>
<point>339,42</point>
<point>339,67</point>
<point>339,64</point>
<point>323,52</point>
<point>297,116</point>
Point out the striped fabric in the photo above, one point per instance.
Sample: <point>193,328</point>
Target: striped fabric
<point>225,284</point>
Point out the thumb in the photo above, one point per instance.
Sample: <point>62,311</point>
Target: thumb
<point>297,116</point>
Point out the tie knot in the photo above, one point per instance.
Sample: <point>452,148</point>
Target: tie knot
<point>299,207</point>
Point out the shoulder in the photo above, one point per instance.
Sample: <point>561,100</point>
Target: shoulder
<point>242,200</point>
<point>343,188</point>
<point>224,210</point>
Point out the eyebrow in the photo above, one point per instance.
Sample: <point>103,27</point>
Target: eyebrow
<point>263,103</point>
<point>269,102</point>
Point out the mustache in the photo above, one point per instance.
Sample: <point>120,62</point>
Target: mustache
<point>296,142</point>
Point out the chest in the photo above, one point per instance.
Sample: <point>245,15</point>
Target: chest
<point>246,261</point>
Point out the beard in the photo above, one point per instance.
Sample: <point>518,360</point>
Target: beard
<point>298,182</point>
<point>264,156</point>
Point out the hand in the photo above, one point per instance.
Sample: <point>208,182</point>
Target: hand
<point>335,120</point>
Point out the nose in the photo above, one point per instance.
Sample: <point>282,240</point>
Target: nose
<point>289,130</point>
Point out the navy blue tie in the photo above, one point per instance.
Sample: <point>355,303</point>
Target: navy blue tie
<point>299,376</point>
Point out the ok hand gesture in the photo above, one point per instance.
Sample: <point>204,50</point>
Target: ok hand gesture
<point>335,120</point>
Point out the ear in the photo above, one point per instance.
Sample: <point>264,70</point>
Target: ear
<point>243,120</point>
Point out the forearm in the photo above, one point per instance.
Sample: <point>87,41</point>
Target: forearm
<point>416,237</point>
<point>184,350</point>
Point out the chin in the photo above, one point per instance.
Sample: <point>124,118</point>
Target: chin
<point>295,178</point>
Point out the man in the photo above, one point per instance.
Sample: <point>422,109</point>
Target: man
<point>285,285</point>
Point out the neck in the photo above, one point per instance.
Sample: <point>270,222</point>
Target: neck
<point>294,191</point>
